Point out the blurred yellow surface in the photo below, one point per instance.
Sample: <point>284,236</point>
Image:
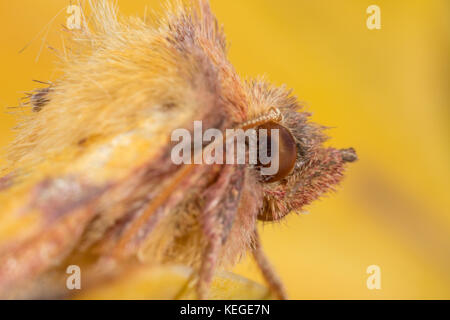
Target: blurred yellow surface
<point>173,282</point>
<point>384,92</point>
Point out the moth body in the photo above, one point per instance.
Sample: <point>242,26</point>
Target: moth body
<point>90,177</point>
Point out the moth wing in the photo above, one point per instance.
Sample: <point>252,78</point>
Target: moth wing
<point>49,209</point>
<point>104,130</point>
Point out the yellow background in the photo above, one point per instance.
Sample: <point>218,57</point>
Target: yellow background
<point>385,92</point>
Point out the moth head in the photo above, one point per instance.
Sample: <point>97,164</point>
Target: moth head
<point>306,168</point>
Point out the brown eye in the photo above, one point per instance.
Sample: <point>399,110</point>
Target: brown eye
<point>286,147</point>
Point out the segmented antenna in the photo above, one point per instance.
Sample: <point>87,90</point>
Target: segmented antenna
<point>274,114</point>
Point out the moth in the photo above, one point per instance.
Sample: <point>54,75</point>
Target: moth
<point>90,180</point>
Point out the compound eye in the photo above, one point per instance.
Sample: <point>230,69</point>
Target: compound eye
<point>287,151</point>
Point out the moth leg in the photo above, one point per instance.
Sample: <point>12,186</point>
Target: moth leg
<point>164,201</point>
<point>186,288</point>
<point>269,274</point>
<point>209,263</point>
<point>221,204</point>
